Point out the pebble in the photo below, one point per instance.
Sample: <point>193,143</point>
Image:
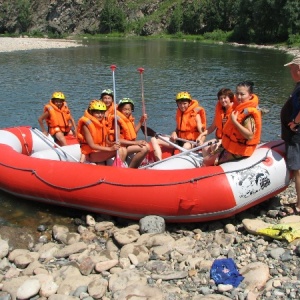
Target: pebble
<point>28,289</point>
<point>110,258</point>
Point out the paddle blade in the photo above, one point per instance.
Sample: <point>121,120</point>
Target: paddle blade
<point>141,70</point>
<point>148,131</point>
<point>118,162</point>
<point>149,159</point>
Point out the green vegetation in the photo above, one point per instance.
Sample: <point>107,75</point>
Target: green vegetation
<point>294,40</point>
<point>244,21</point>
<point>218,35</point>
<point>241,21</point>
<point>24,14</point>
<point>112,18</point>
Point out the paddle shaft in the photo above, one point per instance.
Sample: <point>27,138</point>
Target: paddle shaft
<point>172,144</point>
<point>113,68</point>
<point>52,143</point>
<point>141,70</point>
<point>180,154</point>
<point>182,140</point>
<point>150,132</point>
<point>118,161</point>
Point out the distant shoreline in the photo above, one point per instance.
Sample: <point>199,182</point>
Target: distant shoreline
<point>292,51</point>
<point>11,44</point>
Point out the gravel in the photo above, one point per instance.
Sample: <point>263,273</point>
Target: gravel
<point>9,44</point>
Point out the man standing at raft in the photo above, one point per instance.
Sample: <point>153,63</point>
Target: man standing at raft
<point>290,130</point>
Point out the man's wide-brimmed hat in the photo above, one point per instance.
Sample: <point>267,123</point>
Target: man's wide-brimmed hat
<point>295,61</point>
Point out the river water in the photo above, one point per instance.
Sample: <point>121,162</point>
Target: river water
<point>28,78</point>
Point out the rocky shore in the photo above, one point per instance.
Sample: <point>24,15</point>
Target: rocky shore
<point>290,50</point>
<point>110,258</point>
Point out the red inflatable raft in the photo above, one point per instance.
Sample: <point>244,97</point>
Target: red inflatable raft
<point>180,195</point>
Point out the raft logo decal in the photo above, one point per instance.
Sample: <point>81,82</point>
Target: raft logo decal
<point>251,181</point>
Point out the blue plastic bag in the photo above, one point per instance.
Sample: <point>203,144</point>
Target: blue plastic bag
<point>224,271</point>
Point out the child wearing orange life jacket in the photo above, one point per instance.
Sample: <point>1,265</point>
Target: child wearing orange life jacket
<point>224,107</point>
<point>58,118</point>
<point>92,135</point>
<point>107,96</point>
<point>242,131</point>
<point>128,132</point>
<point>190,120</point>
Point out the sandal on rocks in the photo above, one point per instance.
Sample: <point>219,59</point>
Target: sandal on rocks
<point>296,210</point>
<point>291,210</point>
<point>287,211</point>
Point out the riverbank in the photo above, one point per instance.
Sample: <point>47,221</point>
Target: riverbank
<point>295,51</point>
<point>10,44</point>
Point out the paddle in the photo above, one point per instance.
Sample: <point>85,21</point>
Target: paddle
<point>171,143</point>
<point>117,161</point>
<point>48,141</point>
<point>180,154</point>
<point>141,70</point>
<point>152,133</point>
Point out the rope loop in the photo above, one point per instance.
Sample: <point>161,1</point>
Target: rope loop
<point>104,181</point>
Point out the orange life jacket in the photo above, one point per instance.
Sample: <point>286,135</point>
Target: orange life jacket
<point>59,119</point>
<point>232,140</point>
<point>221,117</point>
<point>186,121</point>
<point>97,129</point>
<point>109,118</point>
<point>127,130</point>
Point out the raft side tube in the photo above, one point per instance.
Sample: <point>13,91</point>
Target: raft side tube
<point>262,174</point>
<point>10,139</point>
<point>58,154</point>
<point>184,161</point>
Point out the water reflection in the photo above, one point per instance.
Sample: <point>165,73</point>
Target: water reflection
<point>24,213</point>
<point>29,78</point>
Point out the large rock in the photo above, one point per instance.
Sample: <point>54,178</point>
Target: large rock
<point>28,289</point>
<point>77,17</point>
<point>211,297</point>
<point>72,282</point>
<point>126,236</point>
<point>119,281</point>
<point>22,238</point>
<point>256,275</point>
<point>71,249</point>
<point>140,292</point>
<point>3,248</point>
<point>11,286</point>
<point>253,225</point>
<point>152,224</point>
